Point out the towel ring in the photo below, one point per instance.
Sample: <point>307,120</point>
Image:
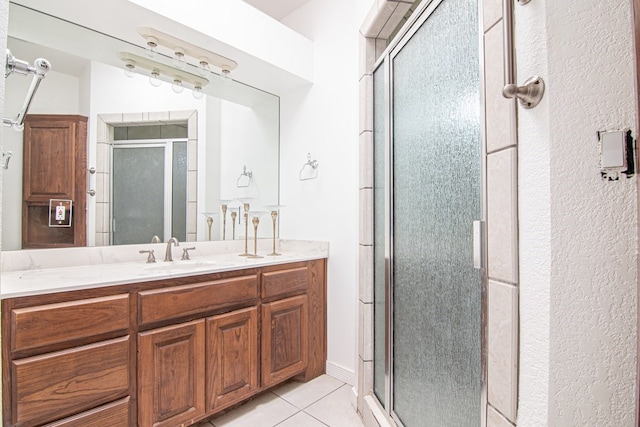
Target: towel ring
<point>312,169</point>
<point>244,180</point>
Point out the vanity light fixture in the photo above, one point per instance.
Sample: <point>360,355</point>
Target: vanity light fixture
<point>156,70</point>
<point>129,69</point>
<point>181,49</point>
<point>152,45</point>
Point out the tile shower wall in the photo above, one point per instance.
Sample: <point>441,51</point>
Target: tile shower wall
<point>103,186</point>
<point>502,230</point>
<point>502,225</point>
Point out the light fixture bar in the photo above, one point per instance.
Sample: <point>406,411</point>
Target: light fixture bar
<point>195,52</point>
<point>166,70</point>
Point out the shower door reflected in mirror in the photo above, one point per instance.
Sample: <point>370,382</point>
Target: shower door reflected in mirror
<point>431,368</point>
<point>149,191</point>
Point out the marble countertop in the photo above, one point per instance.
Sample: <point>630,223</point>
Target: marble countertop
<point>42,271</point>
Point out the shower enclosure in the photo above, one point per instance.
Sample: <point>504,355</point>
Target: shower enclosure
<point>428,192</point>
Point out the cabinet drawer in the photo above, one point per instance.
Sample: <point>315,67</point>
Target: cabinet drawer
<point>284,282</point>
<point>60,384</point>
<point>114,414</point>
<point>43,325</point>
<point>179,301</point>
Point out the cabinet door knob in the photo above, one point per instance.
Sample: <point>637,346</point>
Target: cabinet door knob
<point>91,192</point>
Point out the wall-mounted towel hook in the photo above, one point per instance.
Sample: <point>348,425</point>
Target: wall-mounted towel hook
<point>245,178</point>
<point>309,170</point>
<point>6,156</point>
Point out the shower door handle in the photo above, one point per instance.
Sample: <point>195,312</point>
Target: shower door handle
<point>478,239</point>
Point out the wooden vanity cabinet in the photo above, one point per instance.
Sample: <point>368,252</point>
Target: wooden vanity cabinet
<point>66,359</point>
<point>170,375</point>
<point>165,353</point>
<point>232,358</point>
<point>284,339</point>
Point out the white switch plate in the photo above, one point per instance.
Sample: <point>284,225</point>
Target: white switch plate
<point>612,150</point>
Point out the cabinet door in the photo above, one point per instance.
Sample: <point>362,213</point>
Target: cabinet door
<point>284,339</point>
<point>171,374</point>
<point>54,167</point>
<point>232,357</point>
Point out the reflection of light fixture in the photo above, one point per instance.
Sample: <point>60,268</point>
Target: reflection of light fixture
<point>178,58</point>
<point>181,49</point>
<point>203,68</point>
<point>197,91</point>
<point>157,70</point>
<point>129,66</point>
<point>177,85</point>
<point>152,44</point>
<point>154,78</point>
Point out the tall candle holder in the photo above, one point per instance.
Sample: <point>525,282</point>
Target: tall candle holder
<point>209,224</point>
<point>246,229</point>
<point>224,221</point>
<point>234,215</point>
<point>209,218</point>
<point>255,221</point>
<point>274,218</point>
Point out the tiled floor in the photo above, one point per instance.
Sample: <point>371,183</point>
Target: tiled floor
<point>324,401</point>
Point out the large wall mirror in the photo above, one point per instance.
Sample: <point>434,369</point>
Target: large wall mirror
<point>163,161</point>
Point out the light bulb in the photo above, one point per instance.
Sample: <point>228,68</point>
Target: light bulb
<point>178,58</point>
<point>177,85</point>
<point>225,73</point>
<point>203,68</point>
<point>197,91</point>
<point>154,78</point>
<point>152,46</point>
<point>129,68</point>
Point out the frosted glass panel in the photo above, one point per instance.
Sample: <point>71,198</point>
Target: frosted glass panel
<point>379,161</point>
<point>436,197</point>
<point>138,194</point>
<point>179,192</point>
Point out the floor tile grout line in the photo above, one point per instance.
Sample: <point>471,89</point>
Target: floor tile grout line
<point>320,421</point>
<point>291,416</point>
<point>315,401</point>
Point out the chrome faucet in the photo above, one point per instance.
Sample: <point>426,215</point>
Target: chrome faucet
<point>156,239</point>
<point>168,256</point>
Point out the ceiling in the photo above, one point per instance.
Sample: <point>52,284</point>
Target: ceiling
<point>276,9</point>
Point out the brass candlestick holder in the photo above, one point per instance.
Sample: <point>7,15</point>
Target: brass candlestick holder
<point>246,229</point>
<point>224,221</point>
<point>274,218</point>
<point>209,224</point>
<point>234,215</point>
<point>255,221</point>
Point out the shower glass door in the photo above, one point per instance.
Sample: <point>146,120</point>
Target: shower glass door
<point>429,308</point>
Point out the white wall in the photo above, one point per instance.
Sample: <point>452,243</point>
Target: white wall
<point>323,120</point>
<point>247,136</point>
<point>57,94</point>
<point>578,232</point>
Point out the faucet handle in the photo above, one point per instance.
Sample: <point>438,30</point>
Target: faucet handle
<point>185,253</point>
<point>151,258</point>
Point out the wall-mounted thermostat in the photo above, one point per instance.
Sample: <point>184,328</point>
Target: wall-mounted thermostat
<point>616,154</point>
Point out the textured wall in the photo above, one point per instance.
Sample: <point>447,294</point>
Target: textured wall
<point>578,265</point>
<point>593,246</point>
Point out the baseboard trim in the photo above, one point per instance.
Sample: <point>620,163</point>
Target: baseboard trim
<point>340,373</point>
